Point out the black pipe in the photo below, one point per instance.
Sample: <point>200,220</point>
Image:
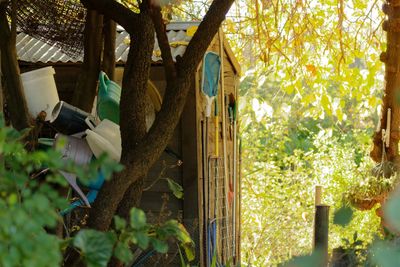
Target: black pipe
<point>321,231</point>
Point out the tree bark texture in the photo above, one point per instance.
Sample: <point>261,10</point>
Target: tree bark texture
<point>140,150</point>
<point>1,87</point>
<point>110,33</point>
<point>132,122</point>
<point>13,90</point>
<point>391,97</point>
<point>85,90</point>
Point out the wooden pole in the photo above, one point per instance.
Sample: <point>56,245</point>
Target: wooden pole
<point>318,194</point>
<point>321,230</point>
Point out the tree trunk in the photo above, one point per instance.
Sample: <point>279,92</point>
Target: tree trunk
<point>13,90</point>
<point>391,58</point>
<point>1,88</point>
<point>110,34</point>
<point>85,90</point>
<point>132,123</point>
<point>140,150</point>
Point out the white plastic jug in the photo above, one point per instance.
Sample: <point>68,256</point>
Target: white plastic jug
<point>109,131</point>
<point>100,145</point>
<point>40,91</point>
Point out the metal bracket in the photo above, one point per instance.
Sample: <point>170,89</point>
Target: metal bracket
<point>386,132</point>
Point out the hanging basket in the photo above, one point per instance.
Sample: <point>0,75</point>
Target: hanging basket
<point>363,204</point>
<point>368,203</point>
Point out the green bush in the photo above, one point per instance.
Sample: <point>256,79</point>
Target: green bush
<point>29,212</point>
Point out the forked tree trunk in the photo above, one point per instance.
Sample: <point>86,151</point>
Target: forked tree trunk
<point>85,90</point>
<point>132,123</point>
<point>391,98</point>
<point>140,150</point>
<point>13,90</point>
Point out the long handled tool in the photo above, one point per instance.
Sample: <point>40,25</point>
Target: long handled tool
<point>233,111</point>
<point>209,81</point>
<point>225,186</point>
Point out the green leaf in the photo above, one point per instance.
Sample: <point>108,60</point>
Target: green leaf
<point>343,216</point>
<point>355,236</point>
<point>174,228</point>
<point>183,263</point>
<point>123,252</point>
<point>142,239</point>
<point>137,218</point>
<point>96,247</point>
<point>391,211</point>
<point>176,188</point>
<point>385,254</point>
<point>159,245</point>
<point>313,260</point>
<point>12,199</point>
<point>189,250</point>
<point>326,104</point>
<point>119,223</point>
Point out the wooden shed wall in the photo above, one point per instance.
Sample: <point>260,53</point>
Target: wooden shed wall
<point>230,80</point>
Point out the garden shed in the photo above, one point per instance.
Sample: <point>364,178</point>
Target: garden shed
<point>203,155</point>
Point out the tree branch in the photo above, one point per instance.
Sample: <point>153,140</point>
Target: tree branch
<point>13,89</point>
<point>85,89</point>
<point>115,11</point>
<point>110,33</point>
<point>176,93</point>
<point>168,62</point>
<point>208,28</point>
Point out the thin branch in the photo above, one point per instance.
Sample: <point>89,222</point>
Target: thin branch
<point>14,21</point>
<point>115,11</point>
<point>208,28</point>
<point>168,62</point>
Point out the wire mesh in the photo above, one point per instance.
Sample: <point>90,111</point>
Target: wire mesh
<point>220,210</point>
<point>56,22</point>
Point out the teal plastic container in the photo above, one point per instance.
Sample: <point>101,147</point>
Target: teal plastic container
<point>108,99</point>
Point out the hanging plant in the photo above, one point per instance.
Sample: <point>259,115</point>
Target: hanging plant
<point>374,188</point>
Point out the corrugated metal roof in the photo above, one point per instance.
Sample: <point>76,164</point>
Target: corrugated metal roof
<point>30,49</point>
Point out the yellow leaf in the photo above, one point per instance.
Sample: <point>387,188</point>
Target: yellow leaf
<point>326,104</point>
<point>339,114</point>
<point>312,69</point>
<point>308,99</point>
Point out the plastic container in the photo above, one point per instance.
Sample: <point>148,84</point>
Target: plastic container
<point>75,149</point>
<point>109,131</point>
<point>100,145</point>
<point>40,91</point>
<point>108,99</point>
<point>68,119</point>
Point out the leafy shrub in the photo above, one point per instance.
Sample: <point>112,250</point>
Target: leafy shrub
<point>29,212</point>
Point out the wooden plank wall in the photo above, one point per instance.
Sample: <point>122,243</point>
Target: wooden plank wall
<point>230,80</point>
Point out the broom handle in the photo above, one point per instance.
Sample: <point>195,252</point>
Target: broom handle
<point>216,134</point>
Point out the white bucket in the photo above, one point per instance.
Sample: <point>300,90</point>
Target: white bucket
<point>40,91</point>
